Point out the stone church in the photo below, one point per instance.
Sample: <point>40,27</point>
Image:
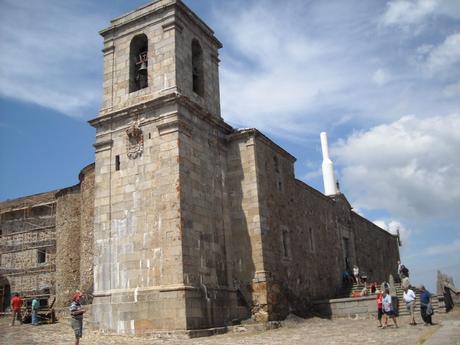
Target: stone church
<point>182,222</point>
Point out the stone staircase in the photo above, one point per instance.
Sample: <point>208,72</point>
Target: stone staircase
<point>437,301</point>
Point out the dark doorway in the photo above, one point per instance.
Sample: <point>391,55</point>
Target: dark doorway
<point>5,294</point>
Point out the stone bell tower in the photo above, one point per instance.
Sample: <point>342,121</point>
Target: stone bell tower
<point>158,148</point>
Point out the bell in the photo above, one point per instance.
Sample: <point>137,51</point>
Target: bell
<point>143,67</point>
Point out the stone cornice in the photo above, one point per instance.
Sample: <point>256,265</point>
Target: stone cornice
<point>133,110</point>
<point>178,5</point>
<point>252,132</point>
<point>156,103</point>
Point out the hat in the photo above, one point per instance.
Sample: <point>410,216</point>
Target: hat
<point>77,295</point>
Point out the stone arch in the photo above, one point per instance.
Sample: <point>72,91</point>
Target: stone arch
<point>138,63</point>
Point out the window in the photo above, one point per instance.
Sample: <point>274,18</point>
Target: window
<point>311,243</point>
<point>197,68</point>
<point>41,256</point>
<point>117,162</point>
<point>138,63</point>
<point>285,241</point>
<point>276,164</point>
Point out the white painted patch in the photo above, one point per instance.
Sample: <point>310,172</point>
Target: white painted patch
<point>136,290</point>
<point>132,326</point>
<point>120,327</point>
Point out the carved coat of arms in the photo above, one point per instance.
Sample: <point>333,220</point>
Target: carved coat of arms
<point>134,141</point>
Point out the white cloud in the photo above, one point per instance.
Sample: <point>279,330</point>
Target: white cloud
<point>444,249</point>
<point>410,167</point>
<point>444,55</point>
<point>410,13</point>
<point>404,12</point>
<point>280,72</point>
<point>393,226</point>
<point>49,55</point>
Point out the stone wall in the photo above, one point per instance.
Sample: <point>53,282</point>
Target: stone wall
<point>68,221</point>
<point>377,252</point>
<point>86,254</point>
<point>347,307</point>
<point>202,159</point>
<point>302,237</point>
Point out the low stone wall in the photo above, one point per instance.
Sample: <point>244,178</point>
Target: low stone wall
<point>347,307</point>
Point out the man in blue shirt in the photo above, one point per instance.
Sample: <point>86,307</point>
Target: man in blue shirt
<point>426,308</point>
<point>35,306</point>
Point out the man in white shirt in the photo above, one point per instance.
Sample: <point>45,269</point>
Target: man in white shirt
<point>409,298</point>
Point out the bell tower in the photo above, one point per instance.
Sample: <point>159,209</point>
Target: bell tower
<point>160,116</point>
<point>160,49</point>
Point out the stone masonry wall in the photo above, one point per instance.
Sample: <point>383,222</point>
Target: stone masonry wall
<point>202,172</point>
<point>86,254</point>
<point>377,252</point>
<point>138,250</point>
<point>302,233</point>
<point>68,222</point>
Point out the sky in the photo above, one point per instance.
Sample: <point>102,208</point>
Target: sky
<point>382,78</point>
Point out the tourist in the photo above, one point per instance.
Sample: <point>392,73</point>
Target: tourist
<point>426,308</point>
<point>35,306</point>
<point>379,307</point>
<point>388,309</point>
<point>356,273</point>
<point>77,311</point>
<point>399,271</point>
<point>409,298</point>
<point>373,287</point>
<point>16,304</point>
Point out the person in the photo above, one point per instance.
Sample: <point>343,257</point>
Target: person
<point>356,273</point>
<point>399,271</point>
<point>388,310</point>
<point>379,307</point>
<point>16,304</point>
<point>426,308</point>
<point>373,287</point>
<point>409,299</point>
<point>76,312</point>
<point>404,271</point>
<point>35,306</point>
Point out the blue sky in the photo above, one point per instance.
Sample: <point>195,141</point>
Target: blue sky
<point>381,77</point>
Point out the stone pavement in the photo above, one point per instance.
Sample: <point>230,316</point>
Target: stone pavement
<point>295,331</point>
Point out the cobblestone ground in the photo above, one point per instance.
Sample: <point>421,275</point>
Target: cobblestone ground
<point>295,331</point>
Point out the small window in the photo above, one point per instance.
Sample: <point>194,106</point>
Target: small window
<point>276,164</point>
<point>285,241</point>
<point>197,68</point>
<point>41,256</point>
<point>311,243</point>
<point>117,162</point>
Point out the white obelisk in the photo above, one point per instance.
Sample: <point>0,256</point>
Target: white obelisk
<point>330,186</point>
